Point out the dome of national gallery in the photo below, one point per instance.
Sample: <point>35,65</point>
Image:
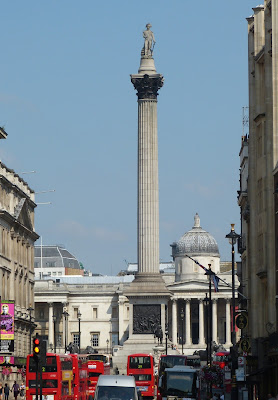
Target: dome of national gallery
<point>196,242</point>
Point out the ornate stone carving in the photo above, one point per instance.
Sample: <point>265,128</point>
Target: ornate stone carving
<point>147,88</point>
<point>146,318</point>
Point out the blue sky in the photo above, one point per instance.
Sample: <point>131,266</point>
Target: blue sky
<point>70,111</point>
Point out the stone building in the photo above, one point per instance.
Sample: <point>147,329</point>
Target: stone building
<point>259,205</point>
<point>17,237</point>
<point>105,310</point>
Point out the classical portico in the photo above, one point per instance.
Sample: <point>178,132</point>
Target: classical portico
<point>195,321</point>
<point>189,291</point>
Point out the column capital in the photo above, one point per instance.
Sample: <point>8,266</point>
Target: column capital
<point>188,300</point>
<point>214,301</point>
<point>174,300</point>
<point>147,86</point>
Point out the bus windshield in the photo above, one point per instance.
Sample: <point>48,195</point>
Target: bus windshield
<point>50,365</point>
<point>179,384</point>
<point>116,392</point>
<point>140,362</point>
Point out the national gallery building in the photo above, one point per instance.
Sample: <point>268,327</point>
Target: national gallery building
<point>68,303</point>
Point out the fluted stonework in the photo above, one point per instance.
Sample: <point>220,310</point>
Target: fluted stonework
<point>148,279</point>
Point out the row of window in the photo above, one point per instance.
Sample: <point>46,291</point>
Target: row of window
<point>114,314</point>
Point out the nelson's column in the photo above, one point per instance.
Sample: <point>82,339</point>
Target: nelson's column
<point>147,294</point>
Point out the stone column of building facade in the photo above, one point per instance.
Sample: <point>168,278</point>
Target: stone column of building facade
<point>188,322</point>
<point>174,322</point>
<point>121,320</point>
<point>147,293</point>
<point>201,322</point>
<point>50,325</point>
<point>228,322</point>
<point>214,320</point>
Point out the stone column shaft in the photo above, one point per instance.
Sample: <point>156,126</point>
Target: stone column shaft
<point>228,322</point>
<point>148,206</point>
<point>50,324</point>
<point>174,322</point>
<point>121,321</point>
<point>201,322</point>
<point>214,320</point>
<point>188,323</point>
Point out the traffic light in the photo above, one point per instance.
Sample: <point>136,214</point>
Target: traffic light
<point>36,347</point>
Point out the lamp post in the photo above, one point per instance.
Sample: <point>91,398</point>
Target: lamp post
<point>79,332</point>
<point>54,326</point>
<point>30,309</point>
<point>233,237</point>
<point>107,342</point>
<point>182,321</point>
<point>209,317</point>
<point>65,314</point>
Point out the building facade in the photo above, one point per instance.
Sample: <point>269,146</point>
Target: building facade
<point>17,237</point>
<point>105,310</point>
<point>259,178</point>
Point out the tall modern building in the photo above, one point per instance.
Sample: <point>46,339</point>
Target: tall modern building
<point>259,203</point>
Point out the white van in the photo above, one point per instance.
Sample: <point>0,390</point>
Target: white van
<point>116,387</point>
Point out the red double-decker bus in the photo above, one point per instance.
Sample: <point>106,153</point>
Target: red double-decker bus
<point>57,377</point>
<point>221,358</point>
<point>141,366</point>
<point>80,376</point>
<point>97,364</point>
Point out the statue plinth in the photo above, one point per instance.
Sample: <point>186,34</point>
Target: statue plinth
<point>147,66</point>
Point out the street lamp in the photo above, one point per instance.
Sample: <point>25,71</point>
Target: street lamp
<point>209,316</point>
<point>182,319</point>
<point>54,326</point>
<point>65,314</point>
<point>30,309</point>
<point>79,333</point>
<point>233,237</point>
<point>107,342</point>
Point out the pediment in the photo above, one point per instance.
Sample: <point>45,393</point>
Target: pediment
<point>194,285</point>
<point>22,215</point>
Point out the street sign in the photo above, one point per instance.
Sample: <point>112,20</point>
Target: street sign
<point>241,320</point>
<point>240,361</point>
<point>244,345</point>
<point>240,374</point>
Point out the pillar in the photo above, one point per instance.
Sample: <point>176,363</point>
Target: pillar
<point>50,324</point>
<point>187,323</point>
<point>228,322</point>
<point>174,322</point>
<point>214,320</point>
<point>147,86</point>
<point>121,320</point>
<point>201,323</point>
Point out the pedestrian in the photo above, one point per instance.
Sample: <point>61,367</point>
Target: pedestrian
<point>22,390</point>
<point>270,396</point>
<point>6,391</point>
<point>222,397</point>
<point>1,391</point>
<point>15,389</point>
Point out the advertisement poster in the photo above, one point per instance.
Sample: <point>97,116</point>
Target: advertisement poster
<point>6,360</point>
<point>7,320</point>
<point>7,326</point>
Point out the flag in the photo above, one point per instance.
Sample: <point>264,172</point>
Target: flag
<point>215,278</point>
<point>215,281</point>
